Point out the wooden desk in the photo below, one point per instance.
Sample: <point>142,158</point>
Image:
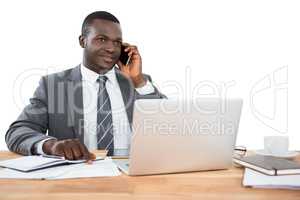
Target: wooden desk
<point>223,184</point>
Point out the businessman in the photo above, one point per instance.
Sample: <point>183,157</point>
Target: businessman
<point>87,107</point>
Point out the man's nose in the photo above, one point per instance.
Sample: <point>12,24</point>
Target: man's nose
<point>109,47</point>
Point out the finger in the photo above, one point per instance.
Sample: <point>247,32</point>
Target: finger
<point>92,156</point>
<point>89,162</point>
<point>133,47</point>
<point>77,154</point>
<point>57,149</point>
<point>127,49</point>
<point>130,53</point>
<point>133,57</point>
<point>133,52</point>
<point>85,151</point>
<point>130,48</point>
<point>59,152</point>
<point>77,150</point>
<point>68,153</point>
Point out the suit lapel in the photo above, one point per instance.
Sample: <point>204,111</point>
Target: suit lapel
<point>75,103</point>
<point>128,93</point>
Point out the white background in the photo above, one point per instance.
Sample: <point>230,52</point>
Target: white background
<point>252,44</point>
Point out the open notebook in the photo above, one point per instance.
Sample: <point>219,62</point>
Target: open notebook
<point>99,168</point>
<point>31,163</point>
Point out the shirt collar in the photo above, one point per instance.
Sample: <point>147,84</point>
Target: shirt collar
<point>91,76</point>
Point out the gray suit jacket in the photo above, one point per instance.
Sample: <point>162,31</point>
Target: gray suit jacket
<point>57,108</point>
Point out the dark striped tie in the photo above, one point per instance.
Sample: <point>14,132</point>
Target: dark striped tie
<point>105,136</point>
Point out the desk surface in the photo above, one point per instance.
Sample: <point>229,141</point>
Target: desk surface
<point>222,184</point>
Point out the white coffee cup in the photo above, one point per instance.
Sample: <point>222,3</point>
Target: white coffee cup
<point>276,145</point>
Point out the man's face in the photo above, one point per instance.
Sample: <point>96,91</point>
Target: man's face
<point>102,45</point>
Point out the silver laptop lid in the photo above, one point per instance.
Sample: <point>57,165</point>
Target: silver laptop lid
<point>183,135</point>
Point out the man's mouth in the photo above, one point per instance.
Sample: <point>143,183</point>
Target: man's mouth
<point>108,59</point>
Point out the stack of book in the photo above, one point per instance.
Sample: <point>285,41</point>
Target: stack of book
<point>270,172</point>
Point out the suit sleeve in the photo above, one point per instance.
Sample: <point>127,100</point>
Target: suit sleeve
<point>31,125</point>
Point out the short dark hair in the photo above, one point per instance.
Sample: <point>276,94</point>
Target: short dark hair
<point>96,15</point>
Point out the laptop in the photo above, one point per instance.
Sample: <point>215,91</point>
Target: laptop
<point>171,136</point>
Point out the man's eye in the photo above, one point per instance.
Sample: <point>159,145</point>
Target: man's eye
<point>101,39</point>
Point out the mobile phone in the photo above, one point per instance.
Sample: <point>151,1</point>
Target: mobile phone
<point>124,58</point>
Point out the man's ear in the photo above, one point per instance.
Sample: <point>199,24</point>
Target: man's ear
<point>82,41</point>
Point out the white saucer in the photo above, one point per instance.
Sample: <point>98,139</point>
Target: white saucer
<point>289,154</point>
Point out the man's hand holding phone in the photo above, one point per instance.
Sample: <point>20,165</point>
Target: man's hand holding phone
<point>132,66</point>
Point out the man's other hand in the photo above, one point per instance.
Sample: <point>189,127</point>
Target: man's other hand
<point>71,149</point>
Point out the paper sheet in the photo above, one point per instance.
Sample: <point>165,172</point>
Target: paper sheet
<point>98,169</point>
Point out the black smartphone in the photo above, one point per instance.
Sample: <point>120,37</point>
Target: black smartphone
<point>124,58</point>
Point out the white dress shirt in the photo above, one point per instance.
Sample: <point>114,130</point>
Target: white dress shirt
<point>121,126</point>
